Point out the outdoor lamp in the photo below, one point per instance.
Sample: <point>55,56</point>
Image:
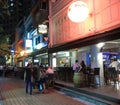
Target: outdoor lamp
<point>78,11</point>
<point>100,45</point>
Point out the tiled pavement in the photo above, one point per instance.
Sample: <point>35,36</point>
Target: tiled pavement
<point>12,92</point>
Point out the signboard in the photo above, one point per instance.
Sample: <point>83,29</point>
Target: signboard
<point>42,29</point>
<point>28,43</point>
<point>28,46</point>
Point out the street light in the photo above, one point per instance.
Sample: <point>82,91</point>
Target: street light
<point>12,56</point>
<point>78,11</point>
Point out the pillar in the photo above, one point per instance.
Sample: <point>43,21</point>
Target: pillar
<point>97,61</point>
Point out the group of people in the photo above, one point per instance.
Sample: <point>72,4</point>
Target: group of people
<point>46,75</point>
<point>79,67</point>
<point>40,75</point>
<point>82,66</point>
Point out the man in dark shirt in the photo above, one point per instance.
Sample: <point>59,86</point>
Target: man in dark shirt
<point>29,78</point>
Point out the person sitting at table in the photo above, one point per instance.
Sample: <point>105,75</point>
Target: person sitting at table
<point>62,64</point>
<point>50,74</point>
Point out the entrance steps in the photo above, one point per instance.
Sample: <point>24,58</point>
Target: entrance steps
<point>88,96</point>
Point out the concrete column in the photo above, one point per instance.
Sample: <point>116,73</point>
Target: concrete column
<point>97,61</point>
<point>50,60</point>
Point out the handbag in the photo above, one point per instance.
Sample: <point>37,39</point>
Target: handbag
<point>40,87</point>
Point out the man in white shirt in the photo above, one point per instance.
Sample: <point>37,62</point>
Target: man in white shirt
<point>114,63</point>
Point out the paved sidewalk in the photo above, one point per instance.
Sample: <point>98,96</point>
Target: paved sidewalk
<point>12,92</point>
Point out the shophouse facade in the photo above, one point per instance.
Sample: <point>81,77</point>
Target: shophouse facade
<point>35,37</point>
<point>19,46</point>
<point>70,40</point>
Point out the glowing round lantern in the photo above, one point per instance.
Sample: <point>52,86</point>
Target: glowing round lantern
<point>78,11</point>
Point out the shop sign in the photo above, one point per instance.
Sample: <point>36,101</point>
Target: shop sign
<point>28,43</point>
<point>42,29</point>
<point>28,46</point>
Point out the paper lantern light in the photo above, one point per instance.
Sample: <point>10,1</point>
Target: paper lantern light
<point>78,11</point>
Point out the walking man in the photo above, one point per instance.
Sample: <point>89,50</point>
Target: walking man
<point>29,78</point>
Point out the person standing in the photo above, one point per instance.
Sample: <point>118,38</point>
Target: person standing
<point>76,66</point>
<point>113,74</point>
<point>29,78</point>
<point>114,63</point>
<point>83,66</point>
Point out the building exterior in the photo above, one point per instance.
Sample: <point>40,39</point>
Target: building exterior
<point>70,40</point>
<point>12,11</point>
<point>19,46</point>
<point>31,34</point>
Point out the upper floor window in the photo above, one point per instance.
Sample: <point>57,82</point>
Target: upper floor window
<point>37,40</point>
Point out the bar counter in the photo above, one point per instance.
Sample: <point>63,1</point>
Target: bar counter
<point>64,74</point>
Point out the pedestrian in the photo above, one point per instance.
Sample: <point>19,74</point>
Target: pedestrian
<point>41,66</point>
<point>29,78</point>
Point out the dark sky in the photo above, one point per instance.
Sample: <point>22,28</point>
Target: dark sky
<point>11,12</point>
